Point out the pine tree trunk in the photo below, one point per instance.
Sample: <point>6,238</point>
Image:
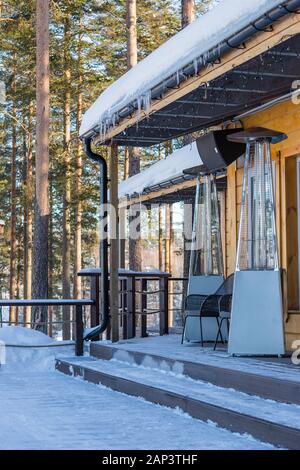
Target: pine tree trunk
<point>13,208</point>
<point>126,163</point>
<point>50,257</point>
<point>78,208</point>
<point>28,185</point>
<point>66,245</point>
<point>133,152</point>
<point>188,12</point>
<point>40,243</point>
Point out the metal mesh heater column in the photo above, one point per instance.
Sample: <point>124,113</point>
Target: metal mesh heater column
<point>257,242</point>
<point>206,257</point>
<point>206,266</point>
<point>257,316</point>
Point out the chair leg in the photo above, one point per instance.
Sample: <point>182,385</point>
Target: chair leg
<point>220,329</point>
<point>201,332</point>
<point>217,338</point>
<point>183,332</point>
<point>219,333</point>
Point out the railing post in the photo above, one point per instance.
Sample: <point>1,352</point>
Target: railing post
<point>79,331</point>
<point>124,308</point>
<point>131,307</point>
<point>144,286</point>
<point>164,306</point>
<point>95,296</point>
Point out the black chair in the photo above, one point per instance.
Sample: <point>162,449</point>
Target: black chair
<point>217,305</point>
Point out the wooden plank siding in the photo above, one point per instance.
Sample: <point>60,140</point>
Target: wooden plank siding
<point>283,117</point>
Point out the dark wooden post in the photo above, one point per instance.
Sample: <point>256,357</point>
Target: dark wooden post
<point>79,331</point>
<point>131,329</point>
<point>95,296</point>
<point>125,308</point>
<point>114,245</point>
<point>144,284</point>
<point>164,306</point>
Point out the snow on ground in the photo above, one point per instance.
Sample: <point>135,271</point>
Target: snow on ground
<point>240,402</point>
<point>43,409</point>
<point>170,347</point>
<point>23,336</point>
<point>22,347</point>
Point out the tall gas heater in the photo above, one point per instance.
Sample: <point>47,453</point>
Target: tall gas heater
<point>257,312</point>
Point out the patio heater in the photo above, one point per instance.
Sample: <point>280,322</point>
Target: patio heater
<point>257,311</point>
<point>206,273</point>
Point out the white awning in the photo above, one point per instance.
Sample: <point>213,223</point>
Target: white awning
<point>194,42</point>
<point>162,172</point>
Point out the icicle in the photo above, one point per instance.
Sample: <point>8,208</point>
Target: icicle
<point>101,130</point>
<point>195,66</point>
<point>177,77</point>
<point>104,129</point>
<point>139,108</point>
<point>147,102</point>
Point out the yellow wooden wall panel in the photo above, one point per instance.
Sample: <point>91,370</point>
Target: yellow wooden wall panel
<point>284,117</point>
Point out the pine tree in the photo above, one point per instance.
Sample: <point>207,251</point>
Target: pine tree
<point>188,12</point>
<point>40,247</point>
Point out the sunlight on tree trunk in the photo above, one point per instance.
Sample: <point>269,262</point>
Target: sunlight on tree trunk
<point>13,240</point>
<point>28,183</point>
<point>133,152</point>
<point>78,208</point>
<point>66,246</point>
<point>40,251</point>
<point>188,12</point>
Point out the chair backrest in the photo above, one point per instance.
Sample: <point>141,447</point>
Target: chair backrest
<point>227,287</point>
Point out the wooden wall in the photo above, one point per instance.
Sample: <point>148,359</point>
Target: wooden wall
<point>284,117</point>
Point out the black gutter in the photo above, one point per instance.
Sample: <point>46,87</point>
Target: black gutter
<point>94,334</point>
<point>261,24</point>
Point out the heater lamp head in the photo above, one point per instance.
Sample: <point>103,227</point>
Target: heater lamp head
<point>256,134</point>
<point>216,152</point>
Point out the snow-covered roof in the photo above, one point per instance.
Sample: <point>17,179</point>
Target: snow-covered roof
<point>163,171</point>
<point>186,47</point>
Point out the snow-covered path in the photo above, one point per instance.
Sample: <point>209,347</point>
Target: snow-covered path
<point>47,410</point>
<point>44,409</point>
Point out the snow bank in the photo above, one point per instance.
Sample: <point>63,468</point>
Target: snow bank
<point>193,42</point>
<point>22,349</point>
<point>20,336</point>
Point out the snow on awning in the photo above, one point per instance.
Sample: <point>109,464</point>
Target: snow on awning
<point>134,90</point>
<point>162,172</point>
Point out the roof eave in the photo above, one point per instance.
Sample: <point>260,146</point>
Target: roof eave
<point>286,26</point>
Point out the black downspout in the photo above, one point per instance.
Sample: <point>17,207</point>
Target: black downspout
<point>103,241</point>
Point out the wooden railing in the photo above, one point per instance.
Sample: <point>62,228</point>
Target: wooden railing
<point>77,303</point>
<point>135,307</point>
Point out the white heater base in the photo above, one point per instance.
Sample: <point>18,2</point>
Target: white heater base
<point>257,314</point>
<point>209,327</point>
